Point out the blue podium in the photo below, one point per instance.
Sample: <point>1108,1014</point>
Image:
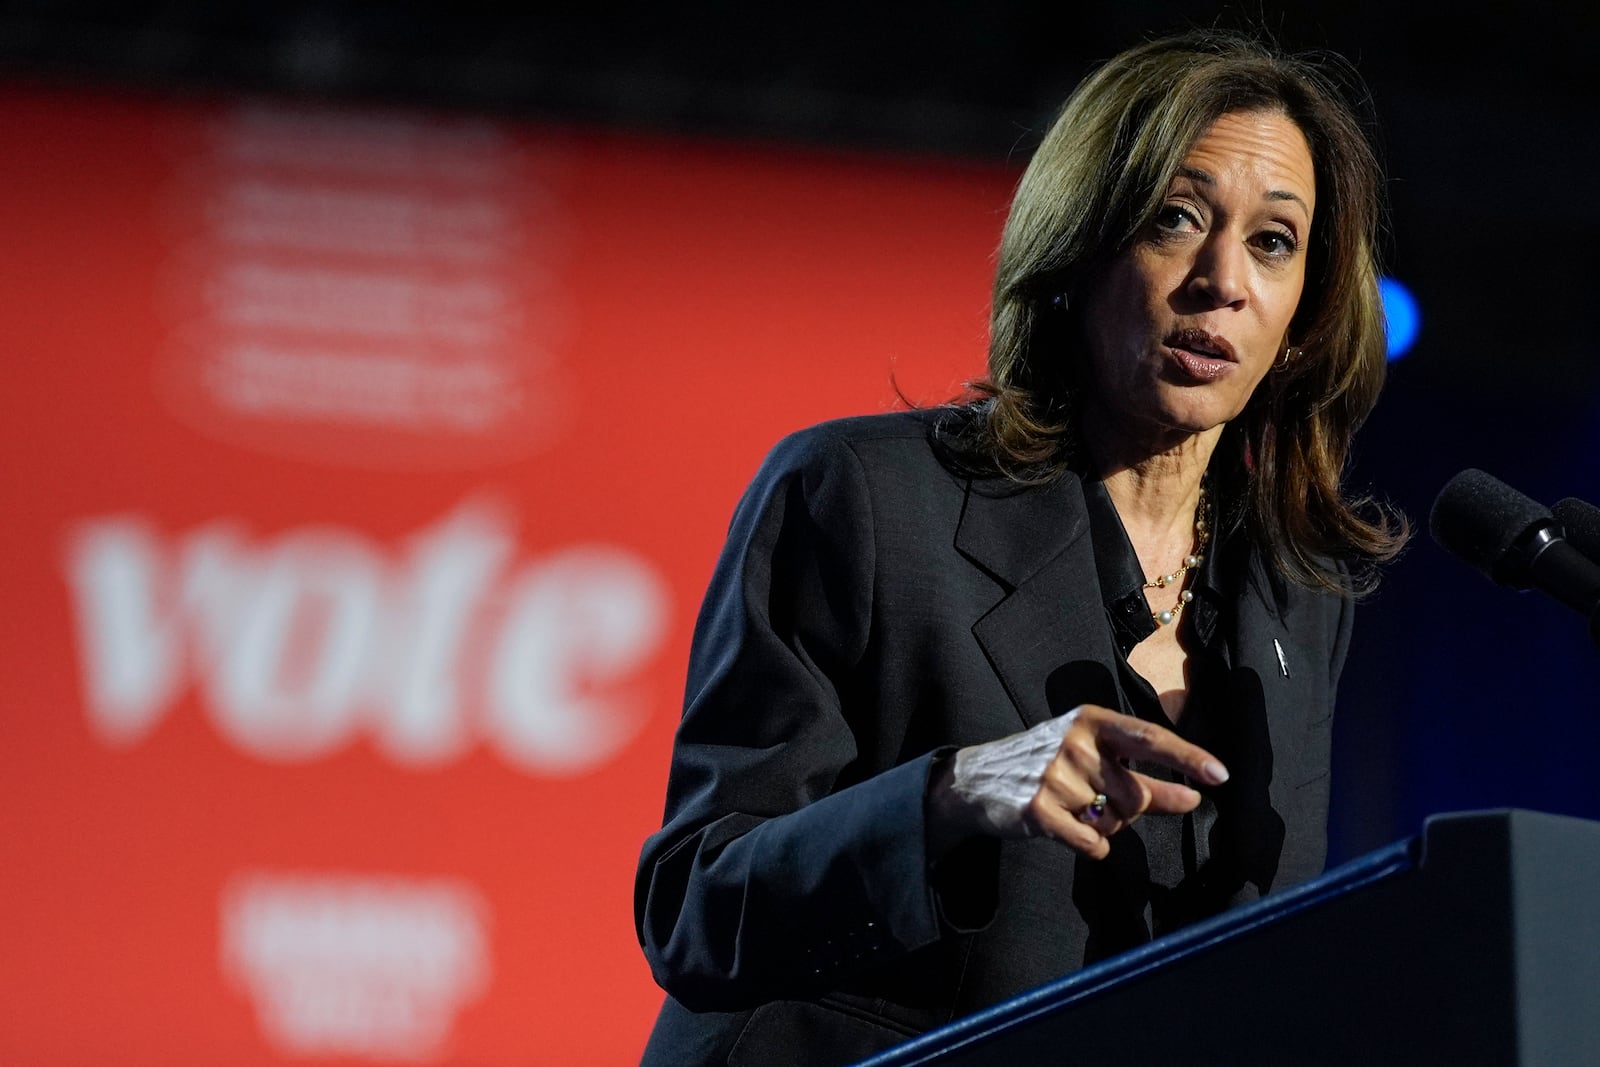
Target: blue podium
<point>1477,942</point>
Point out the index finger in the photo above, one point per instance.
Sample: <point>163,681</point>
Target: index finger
<point>1131,738</point>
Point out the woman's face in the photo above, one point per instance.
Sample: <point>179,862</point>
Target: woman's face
<point>1186,322</point>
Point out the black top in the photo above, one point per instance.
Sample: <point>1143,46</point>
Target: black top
<point>1176,847</point>
<point>872,607</point>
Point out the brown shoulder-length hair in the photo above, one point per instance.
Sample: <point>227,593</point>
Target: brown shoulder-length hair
<point>1094,184</point>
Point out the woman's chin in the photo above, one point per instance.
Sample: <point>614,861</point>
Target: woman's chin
<point>1191,415</point>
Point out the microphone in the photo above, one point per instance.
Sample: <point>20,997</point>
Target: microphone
<point>1515,541</point>
<point>1581,521</point>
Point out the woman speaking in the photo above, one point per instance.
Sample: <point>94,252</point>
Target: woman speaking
<point>984,693</point>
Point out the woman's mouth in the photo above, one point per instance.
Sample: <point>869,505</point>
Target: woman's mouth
<point>1200,356</point>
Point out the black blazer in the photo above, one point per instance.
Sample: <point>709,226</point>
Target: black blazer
<point>871,607</point>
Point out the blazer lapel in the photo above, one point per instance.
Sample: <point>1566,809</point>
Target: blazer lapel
<point>1047,638</point>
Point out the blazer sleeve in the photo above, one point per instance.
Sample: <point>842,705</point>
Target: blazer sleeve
<point>771,877</point>
<point>1341,634</point>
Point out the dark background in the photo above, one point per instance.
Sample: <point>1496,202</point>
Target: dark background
<point>1458,694</point>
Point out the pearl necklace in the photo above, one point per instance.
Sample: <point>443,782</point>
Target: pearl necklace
<point>1190,562</point>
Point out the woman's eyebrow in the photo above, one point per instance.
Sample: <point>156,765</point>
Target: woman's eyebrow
<point>1195,174</point>
<point>1284,194</point>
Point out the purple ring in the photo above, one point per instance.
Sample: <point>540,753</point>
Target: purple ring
<point>1096,808</point>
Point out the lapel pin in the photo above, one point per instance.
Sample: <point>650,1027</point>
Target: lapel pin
<point>1283,663</point>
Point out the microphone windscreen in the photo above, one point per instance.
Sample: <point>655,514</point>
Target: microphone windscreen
<point>1581,520</point>
<point>1477,518</point>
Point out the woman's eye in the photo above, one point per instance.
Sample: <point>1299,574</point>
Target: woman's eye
<point>1275,243</point>
<point>1173,217</point>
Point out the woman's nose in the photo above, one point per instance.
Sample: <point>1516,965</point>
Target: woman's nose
<point>1218,275</point>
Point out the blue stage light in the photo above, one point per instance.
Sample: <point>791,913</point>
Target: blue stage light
<point>1400,308</point>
